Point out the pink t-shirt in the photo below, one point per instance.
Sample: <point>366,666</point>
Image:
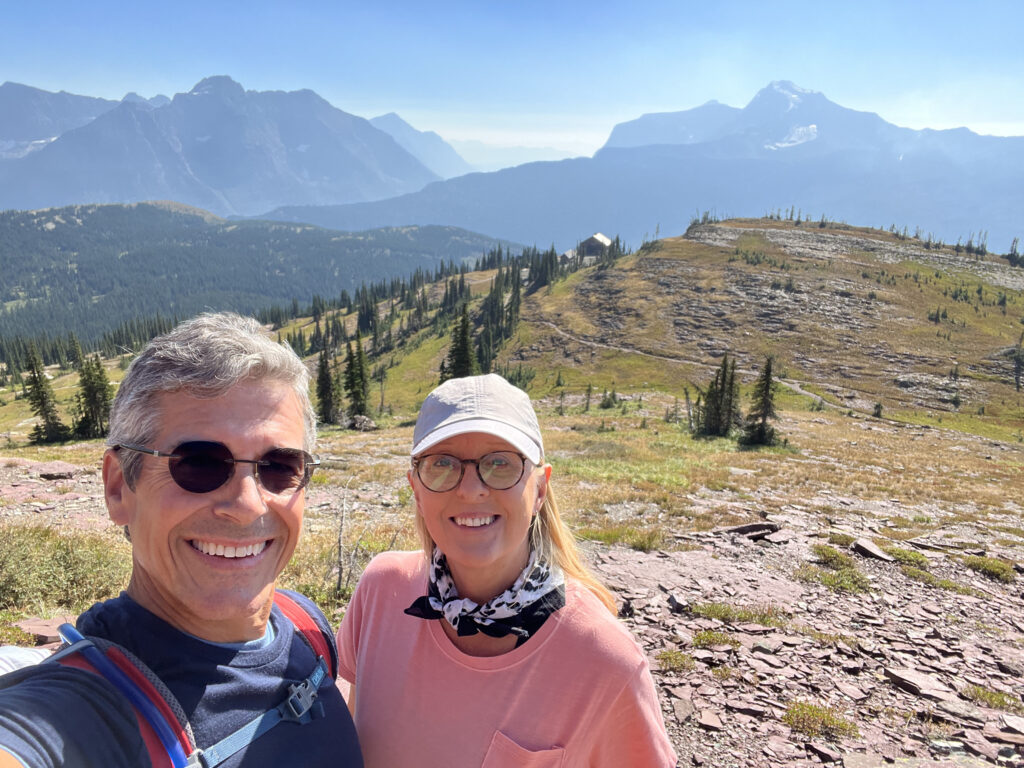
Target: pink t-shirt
<point>578,693</point>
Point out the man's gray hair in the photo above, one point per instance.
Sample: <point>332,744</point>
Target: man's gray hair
<point>203,357</point>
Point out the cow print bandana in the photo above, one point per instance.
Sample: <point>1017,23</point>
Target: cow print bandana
<point>520,610</point>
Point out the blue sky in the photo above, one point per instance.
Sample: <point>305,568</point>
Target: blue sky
<point>539,73</point>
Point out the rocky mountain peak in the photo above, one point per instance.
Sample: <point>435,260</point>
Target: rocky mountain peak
<point>221,86</point>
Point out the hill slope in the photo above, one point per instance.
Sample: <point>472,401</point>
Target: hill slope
<point>857,317</point>
<point>89,268</point>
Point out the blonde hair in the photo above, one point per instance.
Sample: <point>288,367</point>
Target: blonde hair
<point>551,537</point>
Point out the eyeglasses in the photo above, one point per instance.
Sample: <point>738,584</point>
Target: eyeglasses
<point>499,471</point>
<point>199,466</point>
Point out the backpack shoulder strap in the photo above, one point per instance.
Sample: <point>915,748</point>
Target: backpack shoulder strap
<point>167,740</point>
<point>167,735</point>
<point>315,636</point>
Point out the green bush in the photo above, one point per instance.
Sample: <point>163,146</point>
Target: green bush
<point>910,557</point>
<point>675,661</point>
<point>993,699</point>
<point>709,638</point>
<point>933,581</point>
<point>814,720</point>
<point>641,539</point>
<point>768,615</point>
<point>832,558</point>
<point>992,568</point>
<point>843,580</point>
<point>41,568</point>
<point>841,539</point>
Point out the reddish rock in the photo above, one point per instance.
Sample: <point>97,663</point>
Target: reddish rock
<point>919,684</point>
<point>709,720</point>
<point>683,709</point>
<point>870,549</point>
<point>44,630</point>
<point>56,470</point>
<point>826,753</point>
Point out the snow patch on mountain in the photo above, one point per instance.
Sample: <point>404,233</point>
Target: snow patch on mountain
<point>799,134</point>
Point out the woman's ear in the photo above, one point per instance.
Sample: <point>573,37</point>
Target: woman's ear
<point>415,494</point>
<point>542,487</point>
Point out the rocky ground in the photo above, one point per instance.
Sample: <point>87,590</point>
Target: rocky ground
<point>896,663</point>
<point>899,663</point>
<point>816,243</point>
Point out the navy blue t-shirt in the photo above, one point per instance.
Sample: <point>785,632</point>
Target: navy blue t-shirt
<point>52,715</point>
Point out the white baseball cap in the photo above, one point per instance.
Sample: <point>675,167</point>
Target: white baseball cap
<point>487,404</point>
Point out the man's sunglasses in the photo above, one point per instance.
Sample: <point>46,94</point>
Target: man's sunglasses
<point>199,466</point>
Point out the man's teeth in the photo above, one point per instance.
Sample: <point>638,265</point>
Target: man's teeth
<point>474,522</point>
<point>221,551</point>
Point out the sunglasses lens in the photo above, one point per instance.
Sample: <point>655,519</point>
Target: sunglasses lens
<point>201,467</point>
<point>283,470</point>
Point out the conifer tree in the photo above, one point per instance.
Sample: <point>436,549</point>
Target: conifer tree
<point>75,356</point>
<point>757,430</point>
<point>44,405</point>
<point>1018,362</point>
<point>460,361</point>
<point>718,406</point>
<point>92,403</point>
<point>357,385</point>
<point>327,406</point>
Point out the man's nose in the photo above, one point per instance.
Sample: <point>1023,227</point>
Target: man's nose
<point>244,498</point>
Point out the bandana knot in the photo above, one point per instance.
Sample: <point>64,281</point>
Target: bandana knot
<point>520,610</point>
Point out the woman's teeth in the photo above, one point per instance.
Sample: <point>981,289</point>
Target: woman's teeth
<point>474,522</point>
<point>222,551</point>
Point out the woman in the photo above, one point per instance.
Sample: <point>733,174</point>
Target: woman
<point>493,647</point>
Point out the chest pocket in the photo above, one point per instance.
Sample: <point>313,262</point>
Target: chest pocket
<point>505,753</point>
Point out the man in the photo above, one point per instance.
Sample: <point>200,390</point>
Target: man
<point>211,436</point>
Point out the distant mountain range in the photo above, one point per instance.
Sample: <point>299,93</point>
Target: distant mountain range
<point>426,146</point>
<point>493,157</point>
<point>218,147</point>
<point>90,268</point>
<point>788,146</point>
<point>293,156</point>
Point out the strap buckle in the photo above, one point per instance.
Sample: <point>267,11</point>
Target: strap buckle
<point>302,696</point>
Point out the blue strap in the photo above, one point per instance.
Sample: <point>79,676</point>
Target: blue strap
<point>297,708</point>
<point>114,675</point>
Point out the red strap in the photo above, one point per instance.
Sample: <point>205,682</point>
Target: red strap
<point>157,754</point>
<point>307,625</point>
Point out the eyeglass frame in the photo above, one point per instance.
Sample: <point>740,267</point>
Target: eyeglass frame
<point>462,469</point>
<point>310,463</point>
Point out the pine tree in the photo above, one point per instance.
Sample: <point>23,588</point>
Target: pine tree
<point>357,385</point>
<point>757,430</point>
<point>460,361</point>
<point>92,403</point>
<point>75,356</point>
<point>1018,363</point>
<point>44,405</point>
<point>327,407</point>
<point>718,406</point>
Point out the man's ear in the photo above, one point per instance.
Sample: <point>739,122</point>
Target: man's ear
<point>118,495</point>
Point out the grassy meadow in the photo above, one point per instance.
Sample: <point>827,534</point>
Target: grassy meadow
<point>851,333</point>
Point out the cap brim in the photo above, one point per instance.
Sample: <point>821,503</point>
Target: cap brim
<point>511,435</point>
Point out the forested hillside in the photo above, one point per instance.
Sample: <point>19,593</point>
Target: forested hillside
<point>88,269</point>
